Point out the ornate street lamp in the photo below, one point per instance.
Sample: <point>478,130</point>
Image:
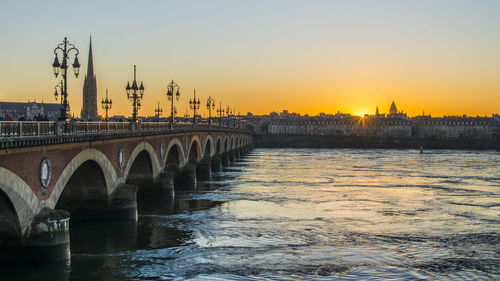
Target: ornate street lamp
<point>106,105</point>
<point>59,86</point>
<point>171,88</point>
<point>134,96</point>
<point>229,112</point>
<point>210,106</point>
<point>220,113</point>
<point>158,112</point>
<point>194,105</point>
<point>65,48</point>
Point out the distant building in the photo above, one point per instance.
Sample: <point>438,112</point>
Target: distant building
<point>29,111</point>
<point>393,111</point>
<point>89,106</point>
<point>395,125</point>
<point>452,127</point>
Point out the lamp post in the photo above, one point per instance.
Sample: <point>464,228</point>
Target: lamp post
<point>59,85</point>
<point>158,112</point>
<point>65,48</point>
<point>194,105</point>
<point>229,112</point>
<point>220,112</point>
<point>171,88</point>
<point>106,104</point>
<point>135,97</point>
<point>210,106</point>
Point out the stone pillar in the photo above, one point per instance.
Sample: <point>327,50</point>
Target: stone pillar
<point>232,157</point>
<point>204,170</point>
<point>186,177</point>
<point>216,163</point>
<point>225,160</point>
<point>123,203</point>
<point>48,238</point>
<point>158,195</point>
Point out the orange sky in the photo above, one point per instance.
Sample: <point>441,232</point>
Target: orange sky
<point>261,56</point>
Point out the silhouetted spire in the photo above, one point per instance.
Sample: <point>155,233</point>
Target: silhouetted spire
<point>393,109</point>
<point>89,105</point>
<point>376,111</point>
<point>90,65</point>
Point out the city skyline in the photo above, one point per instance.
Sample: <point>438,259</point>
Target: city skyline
<point>307,57</point>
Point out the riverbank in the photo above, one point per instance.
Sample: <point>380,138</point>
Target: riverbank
<point>313,141</point>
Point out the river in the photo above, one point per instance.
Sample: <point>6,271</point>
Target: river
<point>306,214</point>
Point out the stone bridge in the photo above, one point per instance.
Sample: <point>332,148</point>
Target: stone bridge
<point>93,173</point>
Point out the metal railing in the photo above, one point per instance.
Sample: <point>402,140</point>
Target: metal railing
<point>26,128</point>
<point>12,129</point>
<point>98,127</point>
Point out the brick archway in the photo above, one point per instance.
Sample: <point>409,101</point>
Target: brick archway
<point>175,142</point>
<point>199,152</point>
<point>108,170</point>
<point>152,154</point>
<point>208,140</point>
<point>24,201</point>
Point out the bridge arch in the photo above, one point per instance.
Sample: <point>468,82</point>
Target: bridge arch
<point>174,156</point>
<point>226,144</point>
<point>10,228</point>
<point>143,152</point>
<point>194,153</point>
<point>219,147</point>
<point>90,154</point>
<point>86,189</point>
<point>231,146</point>
<point>208,150</point>
<point>20,196</point>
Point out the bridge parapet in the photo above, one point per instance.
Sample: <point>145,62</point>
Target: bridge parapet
<point>14,134</point>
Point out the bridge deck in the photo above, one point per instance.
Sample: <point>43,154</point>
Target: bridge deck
<point>15,134</point>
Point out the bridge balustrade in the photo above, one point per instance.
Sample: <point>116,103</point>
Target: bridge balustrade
<point>26,128</point>
<point>98,127</point>
<point>18,129</point>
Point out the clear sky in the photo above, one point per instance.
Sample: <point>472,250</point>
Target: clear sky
<point>309,56</point>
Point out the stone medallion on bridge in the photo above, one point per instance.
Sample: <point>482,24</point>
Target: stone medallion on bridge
<point>162,150</point>
<point>45,172</point>
<point>121,159</point>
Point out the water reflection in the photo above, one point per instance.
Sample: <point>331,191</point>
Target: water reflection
<point>102,237</point>
<point>305,214</point>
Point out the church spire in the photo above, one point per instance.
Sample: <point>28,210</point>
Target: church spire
<point>89,105</point>
<point>90,65</point>
<point>393,109</point>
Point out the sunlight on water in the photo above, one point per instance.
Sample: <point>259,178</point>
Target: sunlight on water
<point>312,214</point>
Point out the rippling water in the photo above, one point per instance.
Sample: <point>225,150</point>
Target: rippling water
<point>307,214</point>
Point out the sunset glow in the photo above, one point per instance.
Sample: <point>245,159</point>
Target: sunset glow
<point>437,57</point>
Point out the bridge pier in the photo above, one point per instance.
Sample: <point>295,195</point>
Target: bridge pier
<point>153,196</point>
<point>157,196</point>
<point>204,170</point>
<point>48,238</point>
<point>120,206</point>
<point>225,160</point>
<point>123,203</point>
<point>186,177</point>
<point>216,163</point>
<point>232,157</point>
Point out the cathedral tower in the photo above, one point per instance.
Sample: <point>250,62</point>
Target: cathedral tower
<point>393,109</point>
<point>89,106</point>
